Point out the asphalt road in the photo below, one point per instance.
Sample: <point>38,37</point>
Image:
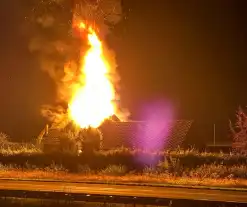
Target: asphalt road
<point>121,190</point>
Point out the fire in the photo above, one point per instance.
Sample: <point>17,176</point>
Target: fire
<point>93,101</point>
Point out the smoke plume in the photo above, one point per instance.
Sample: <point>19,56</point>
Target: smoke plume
<point>58,47</point>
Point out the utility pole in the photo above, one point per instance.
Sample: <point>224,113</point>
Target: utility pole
<point>214,134</point>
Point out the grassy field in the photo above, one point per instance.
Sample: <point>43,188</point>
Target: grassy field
<point>179,160</point>
<point>182,167</point>
<point>115,176</point>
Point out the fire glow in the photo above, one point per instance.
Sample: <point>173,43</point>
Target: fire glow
<point>93,100</point>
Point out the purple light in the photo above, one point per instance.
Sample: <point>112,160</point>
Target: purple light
<point>152,135</point>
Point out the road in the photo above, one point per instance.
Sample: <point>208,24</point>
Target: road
<point>121,190</point>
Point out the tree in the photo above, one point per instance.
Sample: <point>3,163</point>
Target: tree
<point>68,145</point>
<point>239,132</point>
<point>3,138</point>
<point>91,139</point>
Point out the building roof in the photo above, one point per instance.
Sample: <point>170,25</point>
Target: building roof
<point>133,134</point>
<point>136,133</point>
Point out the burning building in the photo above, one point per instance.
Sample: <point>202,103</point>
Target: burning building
<point>128,134</point>
<point>88,88</point>
<point>92,104</point>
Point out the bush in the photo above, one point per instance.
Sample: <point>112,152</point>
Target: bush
<point>219,171</point>
<point>84,169</point>
<point>10,148</point>
<point>115,170</point>
<point>239,132</point>
<point>151,171</point>
<point>4,138</point>
<point>68,146</point>
<point>55,168</point>
<point>176,163</point>
<point>91,139</point>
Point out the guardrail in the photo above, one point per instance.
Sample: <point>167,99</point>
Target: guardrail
<point>70,197</point>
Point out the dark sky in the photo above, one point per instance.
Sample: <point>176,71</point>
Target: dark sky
<point>192,53</point>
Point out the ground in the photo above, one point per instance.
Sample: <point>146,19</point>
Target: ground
<point>126,179</point>
<point>180,167</point>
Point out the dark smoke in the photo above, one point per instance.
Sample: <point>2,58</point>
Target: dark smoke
<point>53,41</point>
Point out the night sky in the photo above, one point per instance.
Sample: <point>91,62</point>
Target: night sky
<point>191,53</point>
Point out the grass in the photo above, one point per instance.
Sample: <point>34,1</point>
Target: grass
<point>212,175</point>
<point>11,148</point>
<point>183,167</point>
<point>129,178</point>
<point>18,148</point>
<point>179,160</point>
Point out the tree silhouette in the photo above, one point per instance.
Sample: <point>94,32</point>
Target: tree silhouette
<point>239,132</point>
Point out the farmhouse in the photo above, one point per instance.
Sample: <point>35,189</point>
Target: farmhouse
<point>131,134</point>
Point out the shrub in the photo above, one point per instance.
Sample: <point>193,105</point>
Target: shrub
<point>176,163</point>
<point>171,165</point>
<point>55,168</point>
<point>4,139</point>
<point>91,139</point>
<point>68,146</point>
<point>115,170</point>
<point>219,171</point>
<point>11,148</point>
<point>84,169</point>
<point>151,171</point>
<point>239,132</point>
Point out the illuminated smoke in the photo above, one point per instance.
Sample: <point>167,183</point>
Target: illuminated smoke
<point>59,47</point>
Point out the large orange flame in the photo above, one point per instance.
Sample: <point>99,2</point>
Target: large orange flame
<point>93,101</point>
